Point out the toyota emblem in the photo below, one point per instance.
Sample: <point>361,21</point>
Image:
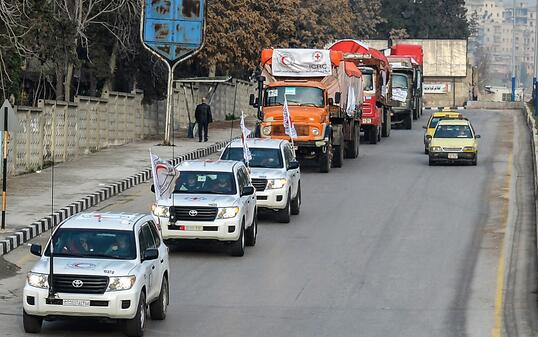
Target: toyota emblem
<point>193,212</point>
<point>77,283</point>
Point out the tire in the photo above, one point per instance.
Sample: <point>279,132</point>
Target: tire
<point>373,134</point>
<point>158,308</point>
<point>296,202</point>
<point>31,323</point>
<point>284,215</point>
<point>352,148</point>
<point>475,160</point>
<point>135,327</point>
<point>408,122</point>
<point>252,232</point>
<point>415,114</point>
<point>426,151</point>
<point>431,162</point>
<point>238,246</point>
<point>325,160</point>
<point>338,156</point>
<point>385,128</point>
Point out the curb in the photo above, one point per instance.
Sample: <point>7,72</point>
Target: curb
<point>42,225</point>
<point>441,108</point>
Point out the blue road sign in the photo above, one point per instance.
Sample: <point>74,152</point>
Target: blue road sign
<point>174,28</point>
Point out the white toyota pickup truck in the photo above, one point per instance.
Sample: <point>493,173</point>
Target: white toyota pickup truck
<point>104,265</point>
<point>275,174</point>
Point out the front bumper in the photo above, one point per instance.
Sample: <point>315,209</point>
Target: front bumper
<point>220,229</point>
<point>461,156</point>
<point>272,199</point>
<point>107,305</point>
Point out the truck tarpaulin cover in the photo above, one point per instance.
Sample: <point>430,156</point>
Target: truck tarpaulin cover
<point>357,47</point>
<point>412,50</point>
<point>301,63</point>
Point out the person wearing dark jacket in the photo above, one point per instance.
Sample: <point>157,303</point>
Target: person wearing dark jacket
<point>203,118</point>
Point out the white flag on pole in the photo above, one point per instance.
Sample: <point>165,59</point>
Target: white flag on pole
<point>289,128</point>
<point>244,135</point>
<point>164,177</point>
<point>351,102</point>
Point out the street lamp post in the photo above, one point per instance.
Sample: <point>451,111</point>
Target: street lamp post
<point>514,51</point>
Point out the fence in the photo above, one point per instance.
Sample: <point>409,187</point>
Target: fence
<point>68,130</point>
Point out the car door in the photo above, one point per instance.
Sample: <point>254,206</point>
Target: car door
<point>162,262</point>
<point>293,175</point>
<point>150,273</point>
<point>248,202</point>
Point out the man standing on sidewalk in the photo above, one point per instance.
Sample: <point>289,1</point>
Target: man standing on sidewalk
<point>203,118</point>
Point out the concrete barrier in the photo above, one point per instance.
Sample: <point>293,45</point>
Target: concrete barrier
<point>494,105</point>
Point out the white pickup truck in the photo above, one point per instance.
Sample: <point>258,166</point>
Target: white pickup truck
<point>104,265</point>
<point>275,174</point>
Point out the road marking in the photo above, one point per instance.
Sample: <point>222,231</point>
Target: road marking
<point>499,291</point>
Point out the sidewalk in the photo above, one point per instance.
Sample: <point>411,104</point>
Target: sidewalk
<point>91,179</point>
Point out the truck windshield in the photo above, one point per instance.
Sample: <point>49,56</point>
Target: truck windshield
<point>453,131</point>
<point>93,244</point>
<point>201,182</point>
<point>266,158</point>
<point>399,81</point>
<point>303,96</point>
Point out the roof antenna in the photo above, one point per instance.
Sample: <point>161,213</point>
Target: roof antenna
<point>52,293</point>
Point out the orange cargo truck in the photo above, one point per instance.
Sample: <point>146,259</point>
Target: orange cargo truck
<point>376,70</point>
<point>324,96</point>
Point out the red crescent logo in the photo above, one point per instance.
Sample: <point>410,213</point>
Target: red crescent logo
<point>284,60</point>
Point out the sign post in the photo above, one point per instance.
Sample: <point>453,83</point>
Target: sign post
<point>173,30</point>
<point>8,123</point>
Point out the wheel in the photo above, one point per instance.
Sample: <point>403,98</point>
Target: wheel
<point>158,308</point>
<point>379,131</point>
<point>338,156</point>
<point>296,202</point>
<point>426,151</point>
<point>284,215</point>
<point>352,148</point>
<point>238,246</point>
<point>408,122</point>
<point>325,160</point>
<point>431,162</point>
<point>385,130</point>
<point>415,114</point>
<point>475,160</point>
<point>252,232</point>
<point>31,323</point>
<point>135,327</point>
<point>373,134</point>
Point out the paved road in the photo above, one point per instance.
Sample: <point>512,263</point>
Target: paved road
<point>385,246</point>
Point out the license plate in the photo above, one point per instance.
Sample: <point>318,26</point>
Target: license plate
<point>194,228</point>
<point>452,156</point>
<point>76,303</point>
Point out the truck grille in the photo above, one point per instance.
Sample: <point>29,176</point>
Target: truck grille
<point>193,213</point>
<point>259,184</point>
<point>278,130</point>
<point>452,149</point>
<point>89,284</point>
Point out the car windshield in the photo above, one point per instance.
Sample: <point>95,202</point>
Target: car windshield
<point>201,182</point>
<point>368,81</point>
<point>266,158</point>
<point>435,120</point>
<point>399,81</point>
<point>453,131</point>
<point>304,96</point>
<point>93,244</point>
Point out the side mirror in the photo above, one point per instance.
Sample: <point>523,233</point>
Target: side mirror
<point>428,137</point>
<point>152,188</point>
<point>248,190</point>
<point>337,97</point>
<point>293,165</point>
<point>477,136</point>
<point>331,101</point>
<point>150,254</point>
<point>424,127</point>
<point>36,249</point>
<point>252,100</point>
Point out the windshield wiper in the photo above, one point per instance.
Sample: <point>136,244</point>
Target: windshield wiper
<point>105,256</point>
<point>310,104</point>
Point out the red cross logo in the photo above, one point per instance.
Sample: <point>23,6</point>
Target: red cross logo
<point>317,56</point>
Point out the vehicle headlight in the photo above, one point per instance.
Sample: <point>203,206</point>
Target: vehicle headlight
<point>315,131</point>
<point>273,184</point>
<point>160,211</point>
<point>38,280</point>
<point>227,212</point>
<point>436,149</point>
<point>121,283</point>
<point>266,130</point>
<point>469,149</point>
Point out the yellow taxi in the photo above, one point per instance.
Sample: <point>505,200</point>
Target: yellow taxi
<point>432,123</point>
<point>454,140</point>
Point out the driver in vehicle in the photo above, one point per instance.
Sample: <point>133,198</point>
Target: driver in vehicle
<point>222,185</point>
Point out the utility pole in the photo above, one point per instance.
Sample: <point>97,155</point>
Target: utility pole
<point>535,79</point>
<point>514,52</point>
